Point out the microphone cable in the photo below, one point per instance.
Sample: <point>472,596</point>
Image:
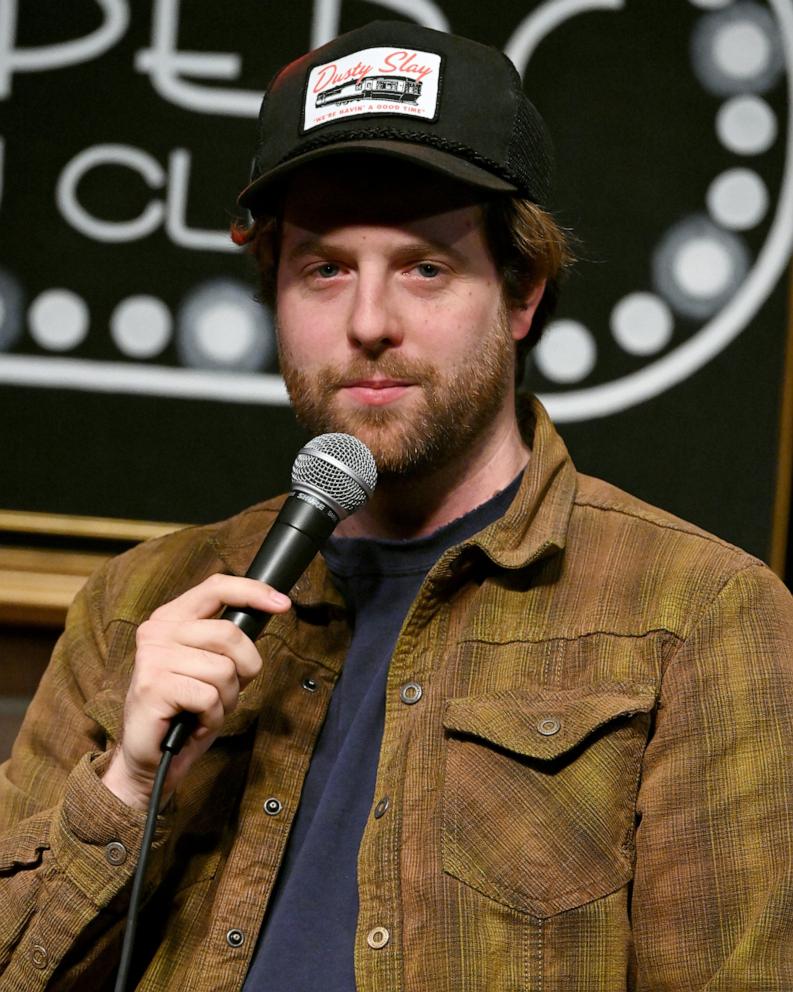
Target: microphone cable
<point>127,947</point>
<point>332,477</point>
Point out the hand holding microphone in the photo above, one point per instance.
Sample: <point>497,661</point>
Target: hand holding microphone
<point>190,666</point>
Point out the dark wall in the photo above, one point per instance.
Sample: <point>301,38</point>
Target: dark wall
<point>145,390</point>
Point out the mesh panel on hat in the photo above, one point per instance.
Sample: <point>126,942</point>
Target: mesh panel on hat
<point>528,154</point>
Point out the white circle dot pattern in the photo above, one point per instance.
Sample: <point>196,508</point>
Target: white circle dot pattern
<point>742,50</point>
<point>141,326</point>
<point>702,267</point>
<point>225,332</point>
<point>566,352</point>
<point>642,324</point>
<point>737,49</point>
<point>58,319</point>
<point>698,266</point>
<point>746,125</point>
<point>738,199</point>
<point>220,326</point>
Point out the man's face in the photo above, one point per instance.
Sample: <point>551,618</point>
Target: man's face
<point>391,321</point>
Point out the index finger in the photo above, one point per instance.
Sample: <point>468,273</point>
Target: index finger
<point>207,598</point>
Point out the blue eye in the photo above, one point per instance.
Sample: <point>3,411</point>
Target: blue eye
<point>428,270</point>
<point>327,271</point>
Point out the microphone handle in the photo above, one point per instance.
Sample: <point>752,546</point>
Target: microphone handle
<point>300,529</point>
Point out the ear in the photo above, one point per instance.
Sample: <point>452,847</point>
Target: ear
<point>521,316</point>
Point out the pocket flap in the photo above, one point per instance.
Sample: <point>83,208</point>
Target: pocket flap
<point>545,724</point>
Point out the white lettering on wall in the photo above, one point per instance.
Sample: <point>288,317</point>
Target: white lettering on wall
<point>170,211</point>
<point>67,199</point>
<point>115,19</point>
<point>176,206</point>
<point>166,66</point>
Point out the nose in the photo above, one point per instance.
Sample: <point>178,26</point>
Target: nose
<point>374,326</point>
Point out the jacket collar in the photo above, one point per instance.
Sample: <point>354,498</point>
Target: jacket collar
<point>536,522</point>
<point>534,525</point>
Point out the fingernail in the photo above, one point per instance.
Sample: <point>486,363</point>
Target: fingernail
<point>280,600</point>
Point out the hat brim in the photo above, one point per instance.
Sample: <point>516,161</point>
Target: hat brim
<point>259,196</point>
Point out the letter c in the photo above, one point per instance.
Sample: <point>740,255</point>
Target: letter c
<point>107,230</point>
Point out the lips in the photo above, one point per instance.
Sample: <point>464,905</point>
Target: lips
<point>376,392</point>
<point>376,383</point>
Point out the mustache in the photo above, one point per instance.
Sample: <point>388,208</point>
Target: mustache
<point>389,366</point>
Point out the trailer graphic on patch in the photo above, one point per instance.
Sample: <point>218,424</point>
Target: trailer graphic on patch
<point>398,89</point>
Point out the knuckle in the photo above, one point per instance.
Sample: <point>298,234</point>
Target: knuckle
<point>226,670</point>
<point>240,643</point>
<point>214,716</point>
<point>152,631</point>
<point>146,657</point>
<point>144,631</point>
<point>233,643</point>
<point>254,665</point>
<point>207,696</point>
<point>144,686</point>
<point>230,634</point>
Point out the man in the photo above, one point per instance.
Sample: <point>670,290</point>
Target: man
<point>518,730</point>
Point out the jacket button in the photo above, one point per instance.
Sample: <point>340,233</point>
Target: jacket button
<point>310,685</point>
<point>272,806</point>
<point>115,853</point>
<point>235,938</point>
<point>549,725</point>
<point>377,938</point>
<point>39,957</point>
<point>381,807</point>
<point>410,693</point>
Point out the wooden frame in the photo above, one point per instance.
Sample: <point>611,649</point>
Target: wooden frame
<point>45,559</point>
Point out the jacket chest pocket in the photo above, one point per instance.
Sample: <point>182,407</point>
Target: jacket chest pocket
<point>540,792</point>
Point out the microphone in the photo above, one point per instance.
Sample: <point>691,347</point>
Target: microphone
<point>332,477</point>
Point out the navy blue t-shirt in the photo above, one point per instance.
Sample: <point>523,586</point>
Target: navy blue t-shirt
<point>308,935</point>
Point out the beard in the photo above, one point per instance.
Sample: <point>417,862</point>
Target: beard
<point>454,408</point>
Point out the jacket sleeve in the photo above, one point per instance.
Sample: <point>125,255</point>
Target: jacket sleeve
<point>713,892</point>
<point>68,846</point>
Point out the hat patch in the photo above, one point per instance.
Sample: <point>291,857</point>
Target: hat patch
<point>399,81</point>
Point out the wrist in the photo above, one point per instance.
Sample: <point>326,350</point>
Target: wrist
<point>130,790</point>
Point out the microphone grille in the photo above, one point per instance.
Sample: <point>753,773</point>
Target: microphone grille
<point>337,467</point>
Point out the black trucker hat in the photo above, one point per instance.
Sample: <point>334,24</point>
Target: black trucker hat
<point>395,88</point>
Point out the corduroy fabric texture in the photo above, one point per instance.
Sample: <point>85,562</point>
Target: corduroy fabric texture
<point>593,791</point>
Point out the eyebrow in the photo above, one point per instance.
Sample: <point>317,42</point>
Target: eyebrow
<point>414,250</point>
<point>311,246</point>
<point>421,249</point>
